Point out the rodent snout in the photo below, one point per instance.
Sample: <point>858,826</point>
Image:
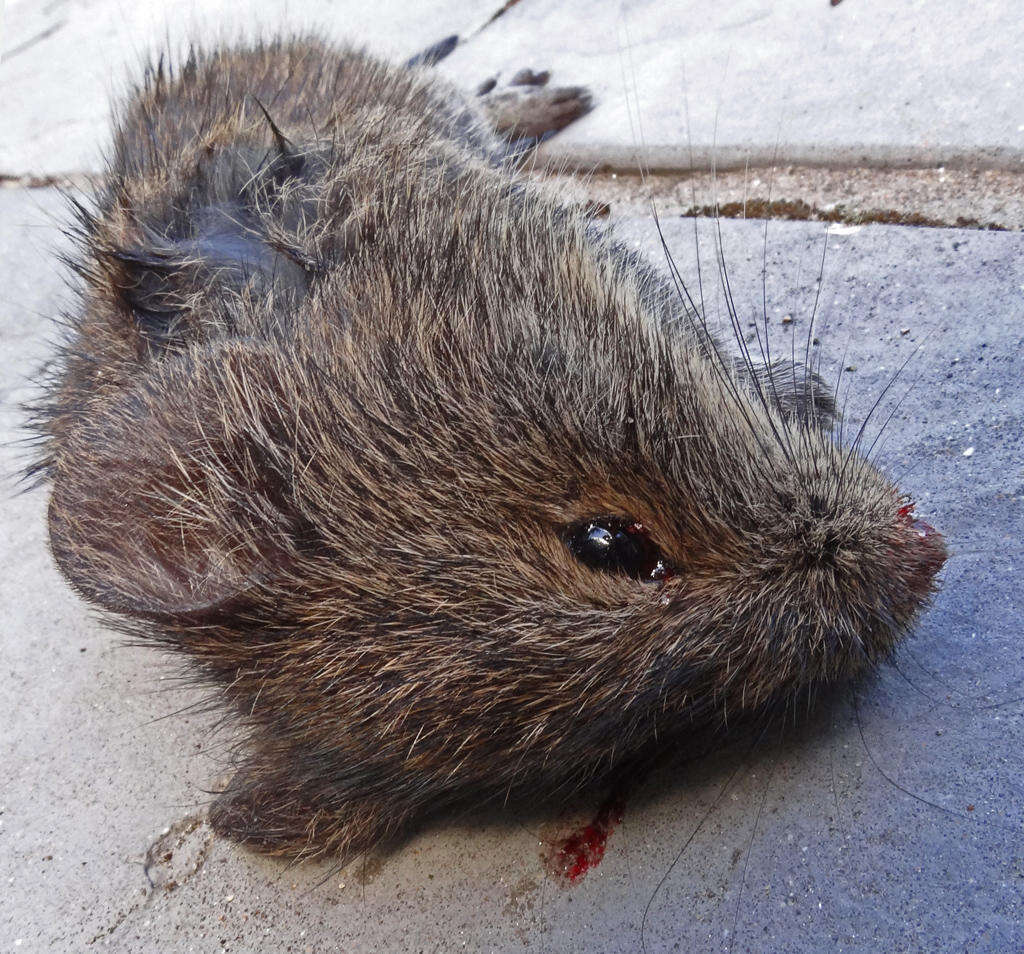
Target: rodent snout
<point>924,550</point>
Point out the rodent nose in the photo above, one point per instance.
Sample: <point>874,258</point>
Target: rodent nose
<point>927,547</point>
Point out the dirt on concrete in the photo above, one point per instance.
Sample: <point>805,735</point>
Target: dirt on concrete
<point>944,198</point>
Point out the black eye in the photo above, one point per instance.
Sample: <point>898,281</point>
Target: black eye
<point>618,545</point>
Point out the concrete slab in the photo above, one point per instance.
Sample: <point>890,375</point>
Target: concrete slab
<point>862,83</point>
<point>794,81</point>
<point>892,824</point>
<point>62,61</point>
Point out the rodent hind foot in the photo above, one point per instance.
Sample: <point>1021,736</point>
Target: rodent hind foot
<point>273,815</point>
<point>529,110</point>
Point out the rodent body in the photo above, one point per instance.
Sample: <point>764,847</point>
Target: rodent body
<point>446,493</point>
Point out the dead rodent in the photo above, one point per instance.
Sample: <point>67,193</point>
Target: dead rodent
<point>447,495</point>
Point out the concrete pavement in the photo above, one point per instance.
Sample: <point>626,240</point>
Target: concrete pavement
<point>862,83</point>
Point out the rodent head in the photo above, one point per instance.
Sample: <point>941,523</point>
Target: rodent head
<point>528,492</point>
<point>720,550</point>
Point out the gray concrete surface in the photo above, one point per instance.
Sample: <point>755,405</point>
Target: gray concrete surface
<point>867,82</point>
<point>864,83</point>
<point>893,823</point>
<point>62,60</point>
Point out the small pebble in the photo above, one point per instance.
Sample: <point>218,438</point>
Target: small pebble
<point>969,452</point>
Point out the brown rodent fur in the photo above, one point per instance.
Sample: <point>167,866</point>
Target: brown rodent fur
<point>341,401</point>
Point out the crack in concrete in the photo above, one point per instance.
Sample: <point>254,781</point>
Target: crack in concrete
<point>800,211</point>
<point>175,842</point>
<point>504,8</point>
<point>31,41</point>
<point>982,200</point>
<point>937,198</point>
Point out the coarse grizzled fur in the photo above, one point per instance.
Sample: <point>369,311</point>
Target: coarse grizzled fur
<point>339,379</point>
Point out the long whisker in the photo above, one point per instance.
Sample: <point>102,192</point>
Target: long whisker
<point>781,439</point>
<point>730,304</point>
<point>693,196</point>
<point>745,764</point>
<point>766,349</point>
<point>750,845</point>
<point>963,816</point>
<point>854,446</point>
<point>722,371</point>
<point>810,326</point>
<point>881,430</point>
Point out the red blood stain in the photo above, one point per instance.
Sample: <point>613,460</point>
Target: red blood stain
<point>572,857</point>
<point>923,530</point>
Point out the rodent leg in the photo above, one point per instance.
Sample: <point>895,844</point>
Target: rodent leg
<point>267,809</point>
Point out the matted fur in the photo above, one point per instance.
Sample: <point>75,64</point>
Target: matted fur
<point>337,382</point>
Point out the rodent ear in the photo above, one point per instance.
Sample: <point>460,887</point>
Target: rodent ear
<point>159,279</point>
<point>168,502</point>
